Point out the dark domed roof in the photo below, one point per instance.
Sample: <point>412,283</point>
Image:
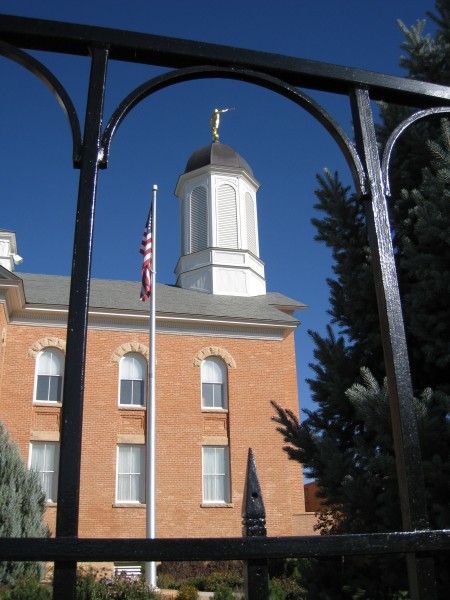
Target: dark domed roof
<point>217,154</point>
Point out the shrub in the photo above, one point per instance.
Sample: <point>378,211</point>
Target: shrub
<point>187,592</point>
<point>181,571</point>
<point>22,508</point>
<point>217,580</point>
<point>124,588</point>
<point>27,589</point>
<point>276,592</point>
<point>285,588</point>
<point>223,592</point>
<point>198,582</point>
<point>166,581</point>
<point>118,588</point>
<point>87,586</point>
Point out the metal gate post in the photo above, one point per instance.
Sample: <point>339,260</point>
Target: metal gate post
<point>404,423</point>
<point>256,572</point>
<point>73,394</point>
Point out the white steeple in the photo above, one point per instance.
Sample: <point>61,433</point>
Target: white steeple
<point>8,250</point>
<point>219,225</point>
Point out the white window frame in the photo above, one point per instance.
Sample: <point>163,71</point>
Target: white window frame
<point>140,475</point>
<point>141,359</point>
<point>216,475</point>
<point>52,494</point>
<point>53,351</point>
<point>222,382</point>
<point>128,570</point>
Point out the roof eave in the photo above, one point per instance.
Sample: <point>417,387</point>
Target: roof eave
<point>42,314</point>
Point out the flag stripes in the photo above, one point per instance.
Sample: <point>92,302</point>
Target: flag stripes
<point>146,250</point>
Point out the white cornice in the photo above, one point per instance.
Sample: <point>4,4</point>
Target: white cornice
<point>40,316</point>
<point>199,175</point>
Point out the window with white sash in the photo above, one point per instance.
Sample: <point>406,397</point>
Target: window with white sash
<point>44,460</point>
<point>214,383</point>
<point>216,474</point>
<point>49,376</point>
<point>131,473</point>
<point>132,380</point>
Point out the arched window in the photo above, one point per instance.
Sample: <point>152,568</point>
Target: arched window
<point>49,376</point>
<point>132,380</point>
<point>214,383</point>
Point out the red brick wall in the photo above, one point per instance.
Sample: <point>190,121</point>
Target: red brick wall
<point>265,370</point>
<point>3,337</point>
<point>312,502</point>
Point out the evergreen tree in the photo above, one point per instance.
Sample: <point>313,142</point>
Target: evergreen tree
<point>22,506</point>
<point>345,444</point>
<point>426,262</point>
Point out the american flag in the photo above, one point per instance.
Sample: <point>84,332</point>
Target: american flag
<point>146,250</point>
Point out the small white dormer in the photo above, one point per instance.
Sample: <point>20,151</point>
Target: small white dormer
<point>219,225</point>
<point>8,250</point>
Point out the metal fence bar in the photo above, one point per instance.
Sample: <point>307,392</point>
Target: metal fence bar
<point>52,36</point>
<point>72,407</point>
<point>241,548</point>
<point>404,423</point>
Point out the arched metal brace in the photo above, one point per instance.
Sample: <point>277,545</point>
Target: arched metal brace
<point>398,131</point>
<point>267,81</point>
<point>55,86</point>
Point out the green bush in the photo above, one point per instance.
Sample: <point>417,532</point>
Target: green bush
<point>166,581</point>
<point>124,588</point>
<point>187,592</point>
<point>223,592</point>
<point>276,592</point>
<point>118,588</point>
<point>87,586</point>
<point>22,508</point>
<point>217,580</point>
<point>199,582</point>
<point>27,589</point>
<point>203,575</point>
<point>285,588</point>
<point>187,570</point>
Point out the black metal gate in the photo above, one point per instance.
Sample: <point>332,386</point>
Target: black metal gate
<point>194,60</point>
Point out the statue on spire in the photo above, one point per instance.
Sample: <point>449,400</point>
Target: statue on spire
<point>215,121</point>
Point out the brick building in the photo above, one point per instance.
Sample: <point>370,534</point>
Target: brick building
<point>224,349</point>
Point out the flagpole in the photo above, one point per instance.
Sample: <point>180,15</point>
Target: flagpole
<point>150,567</point>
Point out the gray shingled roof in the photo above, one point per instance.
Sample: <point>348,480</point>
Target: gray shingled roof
<point>170,300</point>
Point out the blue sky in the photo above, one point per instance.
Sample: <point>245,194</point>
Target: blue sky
<point>283,145</point>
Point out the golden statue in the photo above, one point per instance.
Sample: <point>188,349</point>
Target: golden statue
<point>215,121</point>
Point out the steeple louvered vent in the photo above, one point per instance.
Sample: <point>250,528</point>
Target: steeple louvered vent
<point>219,225</point>
<point>250,218</point>
<point>199,223</point>
<point>227,217</point>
